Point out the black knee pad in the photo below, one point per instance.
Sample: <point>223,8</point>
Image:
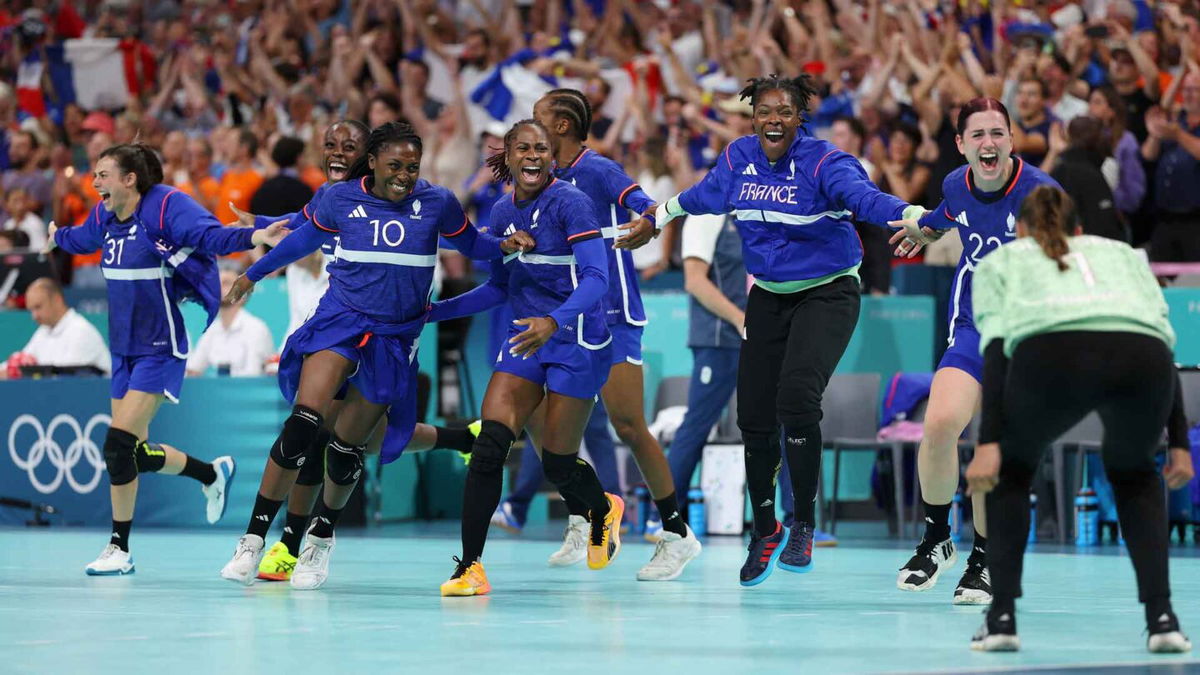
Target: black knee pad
<point>560,470</point>
<point>150,457</point>
<point>312,471</point>
<point>300,431</point>
<point>491,447</point>
<point>344,462</point>
<point>119,456</point>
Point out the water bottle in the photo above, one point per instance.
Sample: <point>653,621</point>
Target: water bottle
<point>956,517</point>
<point>696,519</point>
<point>1087,518</point>
<point>1032,518</point>
<point>642,494</point>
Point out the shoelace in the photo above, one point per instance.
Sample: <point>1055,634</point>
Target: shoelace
<point>598,530</point>
<point>312,554</point>
<point>460,567</point>
<point>109,551</point>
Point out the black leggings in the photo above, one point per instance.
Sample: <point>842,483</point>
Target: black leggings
<point>793,343</point>
<point>1053,381</point>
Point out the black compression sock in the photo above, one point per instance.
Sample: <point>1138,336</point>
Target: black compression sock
<point>763,462</point>
<point>979,548</point>
<point>120,534</point>
<point>668,511</point>
<point>264,512</point>
<point>803,446</point>
<point>937,521</point>
<point>574,476</point>
<point>199,470</point>
<point>453,439</point>
<point>324,520</point>
<point>293,532</point>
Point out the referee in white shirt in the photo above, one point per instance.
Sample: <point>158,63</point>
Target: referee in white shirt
<point>63,338</point>
<point>236,344</point>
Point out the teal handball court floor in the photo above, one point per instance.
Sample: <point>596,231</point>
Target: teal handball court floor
<point>380,612</point>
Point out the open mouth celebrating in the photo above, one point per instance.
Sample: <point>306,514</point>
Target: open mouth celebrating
<point>989,160</point>
<point>336,170</point>
<point>531,174</point>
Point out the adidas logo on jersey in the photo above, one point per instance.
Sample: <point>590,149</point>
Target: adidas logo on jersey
<point>358,212</point>
<point>510,230</point>
<point>749,170</point>
<point>961,219</point>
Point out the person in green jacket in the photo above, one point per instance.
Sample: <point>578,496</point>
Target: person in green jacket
<point>1071,325</point>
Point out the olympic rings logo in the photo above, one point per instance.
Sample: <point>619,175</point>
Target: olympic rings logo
<point>45,447</point>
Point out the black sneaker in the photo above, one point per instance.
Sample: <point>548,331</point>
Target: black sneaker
<point>997,634</point>
<point>975,586</point>
<point>764,552</point>
<point>1165,636</point>
<point>931,558</point>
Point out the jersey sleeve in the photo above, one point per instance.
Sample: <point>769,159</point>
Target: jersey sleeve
<point>187,223</point>
<point>624,191</point>
<point>711,194</point>
<point>453,221</point>
<point>939,218</point>
<point>578,218</point>
<point>82,239</point>
<point>843,181</point>
<point>323,215</point>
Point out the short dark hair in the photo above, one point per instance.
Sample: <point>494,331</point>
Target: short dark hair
<point>248,139</point>
<point>287,151</point>
<point>382,135</point>
<point>800,89</point>
<point>856,126</point>
<point>572,105</point>
<point>1042,86</point>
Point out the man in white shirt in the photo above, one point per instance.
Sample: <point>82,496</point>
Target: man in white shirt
<point>64,337</point>
<point>237,344</point>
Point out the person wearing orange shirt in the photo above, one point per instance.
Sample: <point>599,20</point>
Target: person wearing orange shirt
<point>200,185</point>
<point>241,180</point>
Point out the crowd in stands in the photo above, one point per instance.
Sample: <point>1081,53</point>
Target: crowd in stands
<point>237,94</point>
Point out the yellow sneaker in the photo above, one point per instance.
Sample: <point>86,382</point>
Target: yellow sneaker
<point>467,580</point>
<point>605,540</point>
<point>277,564</point>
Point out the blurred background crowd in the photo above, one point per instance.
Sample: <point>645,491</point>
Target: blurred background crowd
<point>237,94</point>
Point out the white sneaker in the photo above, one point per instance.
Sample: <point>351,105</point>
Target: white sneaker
<point>575,541</point>
<point>216,493</point>
<point>1173,642</point>
<point>312,567</point>
<point>112,562</point>
<point>244,565</point>
<point>921,572</point>
<point>671,555</point>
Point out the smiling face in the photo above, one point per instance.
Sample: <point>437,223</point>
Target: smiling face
<point>986,142</point>
<point>397,167</point>
<point>1030,102</point>
<point>528,159</point>
<point>776,119</point>
<point>116,187</point>
<point>344,145</point>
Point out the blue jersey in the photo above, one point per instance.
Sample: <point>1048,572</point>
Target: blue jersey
<point>985,221</point>
<point>796,217</point>
<point>386,251</point>
<point>150,262</point>
<point>613,194</point>
<point>538,283</point>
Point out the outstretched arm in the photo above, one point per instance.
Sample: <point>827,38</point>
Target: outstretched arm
<point>304,240</point>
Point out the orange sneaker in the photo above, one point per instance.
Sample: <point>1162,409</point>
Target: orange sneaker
<point>605,540</point>
<point>467,580</point>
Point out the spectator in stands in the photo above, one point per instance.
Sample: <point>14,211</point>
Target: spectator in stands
<point>1077,169</point>
<point>1056,73</point>
<point>63,338</point>
<point>1175,144</point>
<point>241,179</point>
<point>1031,128</point>
<point>1124,173</point>
<point>19,205</point>
<point>199,183</point>
<point>174,158</point>
<point>284,192</point>
<point>237,344</point>
<point>23,171</point>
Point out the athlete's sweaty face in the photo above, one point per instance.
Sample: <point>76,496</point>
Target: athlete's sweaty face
<point>987,144</point>
<point>397,166</point>
<point>115,186</point>
<point>344,144</point>
<point>776,119</point>
<point>529,159</point>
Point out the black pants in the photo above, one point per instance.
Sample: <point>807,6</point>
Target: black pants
<point>1053,381</point>
<point>876,269</point>
<point>793,343</point>
<point>1176,238</point>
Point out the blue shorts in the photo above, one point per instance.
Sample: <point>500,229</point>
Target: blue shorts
<point>562,367</point>
<point>151,373</point>
<point>626,343</point>
<point>963,352</point>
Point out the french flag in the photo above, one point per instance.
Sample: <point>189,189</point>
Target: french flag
<point>92,72</point>
<point>509,92</point>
